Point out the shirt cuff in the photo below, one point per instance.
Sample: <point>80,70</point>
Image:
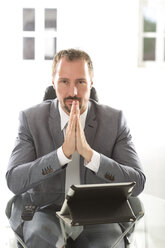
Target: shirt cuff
<point>61,157</point>
<point>94,164</point>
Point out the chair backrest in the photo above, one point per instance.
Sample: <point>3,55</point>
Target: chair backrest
<point>50,93</point>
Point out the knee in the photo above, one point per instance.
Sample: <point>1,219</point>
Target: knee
<point>39,235</point>
<point>42,231</point>
<point>32,232</point>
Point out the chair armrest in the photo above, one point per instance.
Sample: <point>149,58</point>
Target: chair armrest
<point>137,206</point>
<point>9,206</point>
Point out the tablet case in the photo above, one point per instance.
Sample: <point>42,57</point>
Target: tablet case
<point>97,204</point>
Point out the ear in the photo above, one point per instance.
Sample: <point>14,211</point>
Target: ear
<point>91,85</point>
<point>53,84</point>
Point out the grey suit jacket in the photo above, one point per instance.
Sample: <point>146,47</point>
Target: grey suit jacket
<point>34,166</point>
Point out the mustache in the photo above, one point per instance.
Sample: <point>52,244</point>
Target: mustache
<point>72,98</point>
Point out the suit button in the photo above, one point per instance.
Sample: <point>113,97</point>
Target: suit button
<point>47,170</point>
<point>43,172</point>
<point>110,177</point>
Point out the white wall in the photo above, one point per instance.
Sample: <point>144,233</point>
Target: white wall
<point>108,30</point>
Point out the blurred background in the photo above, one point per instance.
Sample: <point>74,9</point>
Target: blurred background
<point>126,41</point>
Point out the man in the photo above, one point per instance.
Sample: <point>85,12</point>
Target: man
<point>71,139</point>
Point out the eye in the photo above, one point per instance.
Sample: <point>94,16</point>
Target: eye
<point>64,81</point>
<point>81,82</point>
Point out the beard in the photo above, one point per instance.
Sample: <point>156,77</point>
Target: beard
<point>74,99</point>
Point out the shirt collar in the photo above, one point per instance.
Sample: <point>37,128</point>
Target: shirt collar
<point>65,118</point>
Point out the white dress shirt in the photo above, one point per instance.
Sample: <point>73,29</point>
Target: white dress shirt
<point>92,165</point>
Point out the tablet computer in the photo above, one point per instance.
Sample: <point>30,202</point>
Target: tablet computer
<point>97,204</point>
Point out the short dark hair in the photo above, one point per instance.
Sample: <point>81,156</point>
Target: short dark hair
<point>71,55</point>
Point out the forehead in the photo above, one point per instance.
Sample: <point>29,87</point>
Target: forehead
<point>74,68</point>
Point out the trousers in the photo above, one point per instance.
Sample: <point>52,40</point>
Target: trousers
<point>44,231</point>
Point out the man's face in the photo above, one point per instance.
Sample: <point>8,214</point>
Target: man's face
<point>72,82</point>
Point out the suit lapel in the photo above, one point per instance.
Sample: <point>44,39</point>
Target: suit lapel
<point>55,125</point>
<point>91,125</point>
<point>90,132</point>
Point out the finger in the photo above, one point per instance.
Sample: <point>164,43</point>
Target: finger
<point>77,109</point>
<point>78,129</point>
<point>72,113</point>
<point>80,137</point>
<point>73,124</point>
<point>73,108</point>
<point>75,114</point>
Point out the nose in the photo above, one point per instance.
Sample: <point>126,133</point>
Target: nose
<point>73,90</point>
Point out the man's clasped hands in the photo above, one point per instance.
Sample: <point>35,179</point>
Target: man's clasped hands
<point>75,139</point>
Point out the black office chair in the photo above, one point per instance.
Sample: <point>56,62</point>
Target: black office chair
<point>127,228</point>
<point>10,205</point>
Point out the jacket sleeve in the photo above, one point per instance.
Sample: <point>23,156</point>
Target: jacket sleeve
<point>25,169</point>
<point>123,165</point>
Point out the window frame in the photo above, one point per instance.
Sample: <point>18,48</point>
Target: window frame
<point>40,33</point>
<point>159,35</point>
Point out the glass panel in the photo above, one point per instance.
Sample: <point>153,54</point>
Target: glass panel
<point>149,19</point>
<point>164,49</point>
<point>28,19</point>
<point>51,19</point>
<point>50,48</point>
<point>163,17</point>
<point>28,48</point>
<point>149,49</point>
